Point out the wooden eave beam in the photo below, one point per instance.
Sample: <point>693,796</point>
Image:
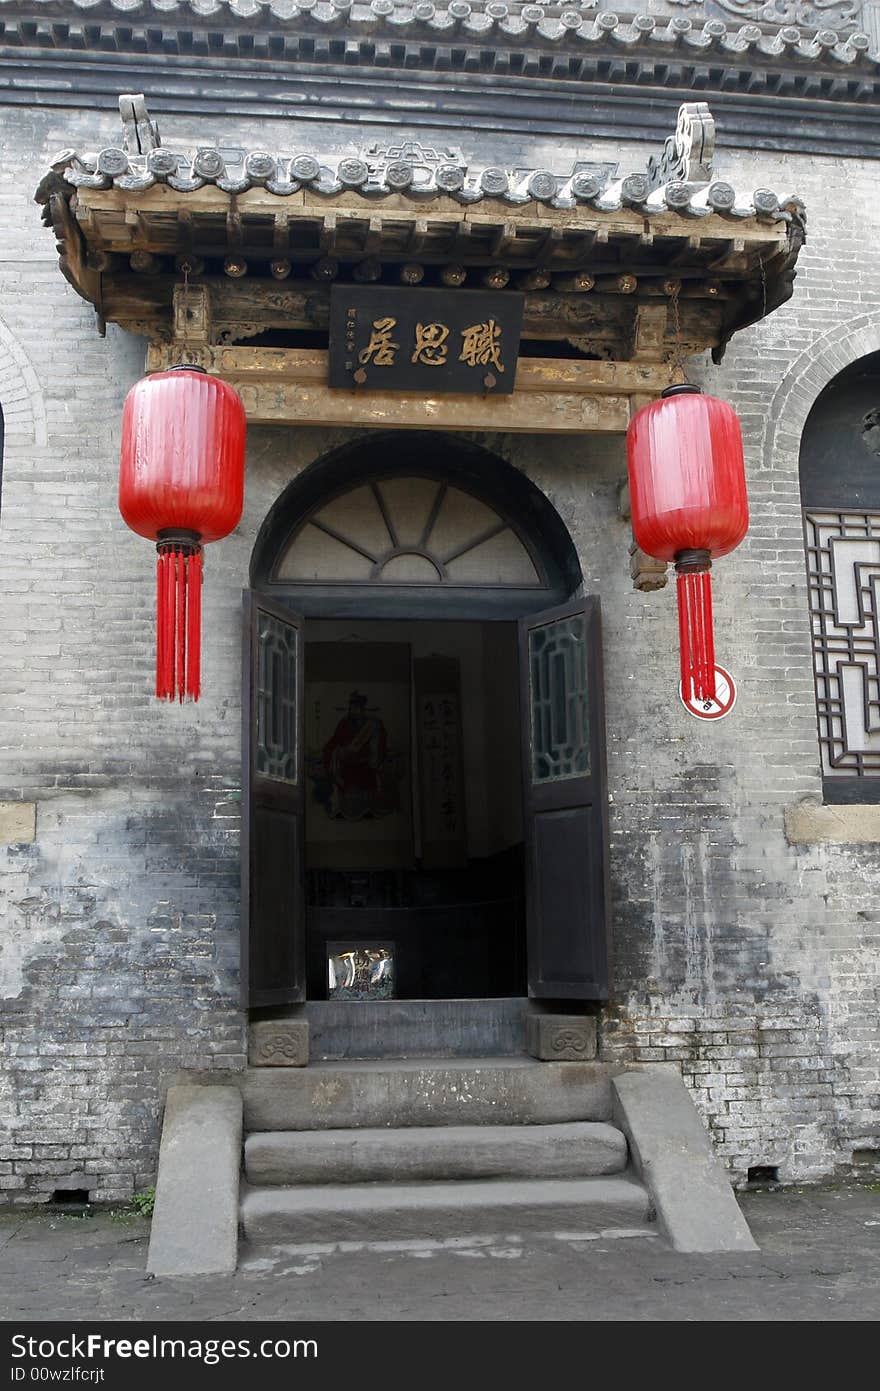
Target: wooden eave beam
<point>281,386</point>
<point>97,205</point>
<point>109,226</point>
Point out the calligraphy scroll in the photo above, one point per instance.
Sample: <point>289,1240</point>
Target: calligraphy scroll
<point>441,764</point>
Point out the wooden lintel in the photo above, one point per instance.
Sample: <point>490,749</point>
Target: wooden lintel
<point>397,209</point>
<point>522,413</point>
<point>639,399</point>
<point>552,396</point>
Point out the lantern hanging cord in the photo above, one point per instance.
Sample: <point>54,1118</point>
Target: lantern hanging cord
<point>187,365</point>
<point>678,356</point>
<point>186,299</point>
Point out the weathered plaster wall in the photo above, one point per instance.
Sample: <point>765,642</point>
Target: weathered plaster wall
<point>751,961</point>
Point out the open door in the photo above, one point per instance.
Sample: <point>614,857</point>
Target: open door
<point>565,802</point>
<point>272,835</point>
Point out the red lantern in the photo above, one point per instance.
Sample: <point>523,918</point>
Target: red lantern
<point>688,495</point>
<point>181,483</point>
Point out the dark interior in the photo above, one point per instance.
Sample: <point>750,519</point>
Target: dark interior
<point>456,930</point>
<point>457,933</point>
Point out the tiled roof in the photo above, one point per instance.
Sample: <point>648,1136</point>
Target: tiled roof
<point>125,233</point>
<point>577,28</point>
<point>416,181</point>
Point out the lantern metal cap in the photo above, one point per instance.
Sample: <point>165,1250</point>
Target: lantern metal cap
<point>680,389</point>
<point>692,561</point>
<point>187,367</point>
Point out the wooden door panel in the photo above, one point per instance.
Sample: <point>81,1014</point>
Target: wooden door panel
<point>565,879</point>
<point>565,803</point>
<point>272,845</point>
<point>274,905</point>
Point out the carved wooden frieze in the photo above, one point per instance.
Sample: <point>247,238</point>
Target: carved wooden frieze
<point>288,386</point>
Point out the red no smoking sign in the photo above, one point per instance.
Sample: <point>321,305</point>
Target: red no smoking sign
<point>725,699</point>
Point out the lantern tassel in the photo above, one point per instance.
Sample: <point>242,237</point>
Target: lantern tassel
<point>178,617</point>
<point>696,632</point>
<point>194,626</point>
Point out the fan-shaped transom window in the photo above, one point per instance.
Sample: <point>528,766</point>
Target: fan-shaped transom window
<point>409,530</point>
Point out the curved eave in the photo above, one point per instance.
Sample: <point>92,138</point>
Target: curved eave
<point>365,31</point>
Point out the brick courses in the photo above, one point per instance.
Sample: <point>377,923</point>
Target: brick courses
<point>749,961</point>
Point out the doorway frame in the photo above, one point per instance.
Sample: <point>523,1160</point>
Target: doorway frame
<point>491,479</point>
<point>376,912</point>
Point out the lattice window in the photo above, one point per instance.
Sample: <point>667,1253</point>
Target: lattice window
<point>559,700</point>
<point>276,699</point>
<point>409,531</point>
<point>843,562</point>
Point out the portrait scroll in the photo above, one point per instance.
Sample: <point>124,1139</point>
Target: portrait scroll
<point>359,766</point>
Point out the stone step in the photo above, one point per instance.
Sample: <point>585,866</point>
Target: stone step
<point>371,1212</point>
<point>415,1028</point>
<point>425,1092</point>
<point>574,1150</point>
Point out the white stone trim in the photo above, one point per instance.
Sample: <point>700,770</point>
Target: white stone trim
<point>817,365</point>
<point>848,823</point>
<point>21,399</point>
<point>18,823</point>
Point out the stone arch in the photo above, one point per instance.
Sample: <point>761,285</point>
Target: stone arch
<point>452,467</point>
<point>814,425</point>
<point>811,372</point>
<point>21,397</point>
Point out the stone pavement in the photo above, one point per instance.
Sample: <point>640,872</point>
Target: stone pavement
<point>820,1259</point>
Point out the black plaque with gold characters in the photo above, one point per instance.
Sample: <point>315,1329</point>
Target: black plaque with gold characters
<point>424,340</point>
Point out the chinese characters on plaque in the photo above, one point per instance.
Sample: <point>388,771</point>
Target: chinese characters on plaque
<point>392,339</point>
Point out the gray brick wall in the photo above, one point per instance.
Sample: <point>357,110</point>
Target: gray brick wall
<point>750,962</point>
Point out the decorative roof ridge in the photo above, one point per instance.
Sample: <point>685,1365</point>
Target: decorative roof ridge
<point>577,28</point>
<point>679,181</point>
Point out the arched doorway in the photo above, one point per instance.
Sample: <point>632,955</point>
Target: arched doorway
<point>424,778</point>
